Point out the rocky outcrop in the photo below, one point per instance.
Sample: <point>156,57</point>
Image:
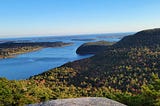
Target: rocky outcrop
<point>88,101</point>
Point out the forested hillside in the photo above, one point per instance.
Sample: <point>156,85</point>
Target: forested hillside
<point>93,47</point>
<point>149,38</point>
<point>125,66</point>
<point>127,72</point>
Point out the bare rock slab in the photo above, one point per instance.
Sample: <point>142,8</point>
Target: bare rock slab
<point>86,101</point>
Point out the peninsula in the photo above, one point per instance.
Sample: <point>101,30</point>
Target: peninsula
<point>11,49</point>
<point>93,47</point>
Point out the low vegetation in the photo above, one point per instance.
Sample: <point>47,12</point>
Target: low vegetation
<point>33,91</point>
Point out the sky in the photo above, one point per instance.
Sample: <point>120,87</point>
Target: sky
<point>69,17</point>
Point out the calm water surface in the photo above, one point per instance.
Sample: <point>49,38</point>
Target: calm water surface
<point>25,65</point>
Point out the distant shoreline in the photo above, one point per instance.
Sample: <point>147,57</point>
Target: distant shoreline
<point>10,50</point>
<point>68,35</point>
<point>22,52</point>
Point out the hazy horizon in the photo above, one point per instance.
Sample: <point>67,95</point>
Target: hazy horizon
<point>52,35</point>
<point>73,17</point>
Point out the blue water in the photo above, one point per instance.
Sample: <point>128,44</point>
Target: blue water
<point>25,65</point>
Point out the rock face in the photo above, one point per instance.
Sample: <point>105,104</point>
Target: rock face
<point>93,47</point>
<point>88,101</point>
